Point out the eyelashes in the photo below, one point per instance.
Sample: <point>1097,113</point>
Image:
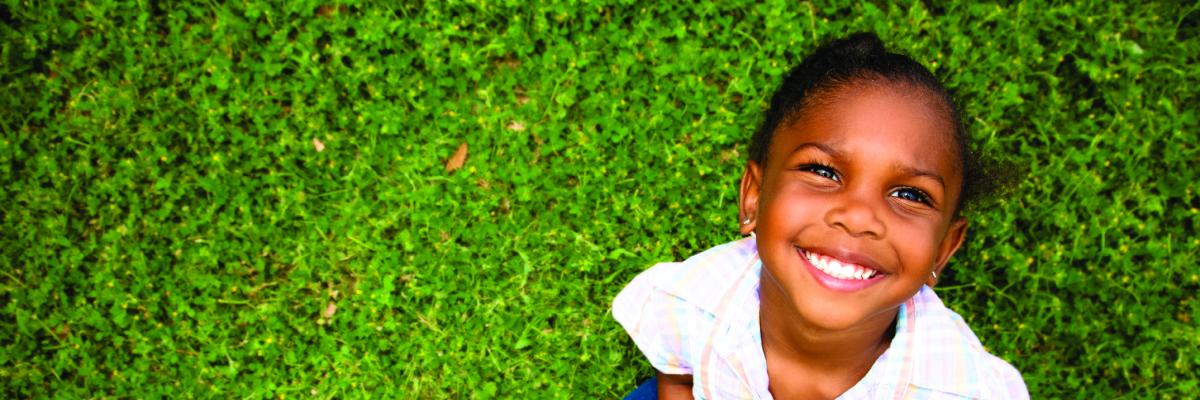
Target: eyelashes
<point>822,170</point>
<point>912,194</point>
<point>906,193</point>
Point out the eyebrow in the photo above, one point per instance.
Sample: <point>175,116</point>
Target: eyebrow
<point>819,146</point>
<point>904,169</point>
<point>913,171</point>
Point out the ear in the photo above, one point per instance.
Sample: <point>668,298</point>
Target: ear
<point>950,244</point>
<point>748,194</point>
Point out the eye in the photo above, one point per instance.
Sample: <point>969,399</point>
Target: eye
<point>912,194</point>
<point>821,170</point>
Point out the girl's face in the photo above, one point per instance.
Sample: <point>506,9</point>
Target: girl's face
<point>855,205</point>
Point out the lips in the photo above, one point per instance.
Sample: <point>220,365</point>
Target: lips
<point>840,273</point>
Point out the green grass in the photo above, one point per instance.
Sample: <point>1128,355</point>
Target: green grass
<point>169,227</point>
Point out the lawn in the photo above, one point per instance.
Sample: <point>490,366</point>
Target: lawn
<point>334,200</point>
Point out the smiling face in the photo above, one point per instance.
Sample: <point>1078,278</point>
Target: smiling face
<point>854,206</point>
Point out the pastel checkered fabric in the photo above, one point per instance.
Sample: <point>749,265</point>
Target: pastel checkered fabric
<point>700,318</point>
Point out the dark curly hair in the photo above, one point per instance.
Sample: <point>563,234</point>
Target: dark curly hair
<point>861,58</point>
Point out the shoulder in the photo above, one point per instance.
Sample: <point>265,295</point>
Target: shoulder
<point>1004,381</point>
<point>695,280</point>
<point>986,377</point>
<point>668,309</point>
<point>948,357</point>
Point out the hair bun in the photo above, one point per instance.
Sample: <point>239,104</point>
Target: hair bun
<point>859,45</point>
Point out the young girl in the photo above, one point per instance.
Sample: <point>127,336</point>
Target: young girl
<point>852,199</point>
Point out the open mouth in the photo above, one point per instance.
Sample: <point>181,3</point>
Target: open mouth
<point>839,269</point>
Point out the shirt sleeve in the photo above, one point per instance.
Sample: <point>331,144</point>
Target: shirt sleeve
<point>656,321</point>
<point>1009,383</point>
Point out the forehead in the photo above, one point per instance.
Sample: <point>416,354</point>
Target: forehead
<point>897,123</point>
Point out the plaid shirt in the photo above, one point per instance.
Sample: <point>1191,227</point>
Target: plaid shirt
<point>700,318</point>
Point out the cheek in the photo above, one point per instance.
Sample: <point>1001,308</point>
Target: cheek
<point>790,206</point>
<point>916,240</point>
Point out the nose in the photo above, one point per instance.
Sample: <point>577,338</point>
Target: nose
<point>857,214</point>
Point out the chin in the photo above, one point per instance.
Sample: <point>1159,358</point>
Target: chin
<point>834,321</point>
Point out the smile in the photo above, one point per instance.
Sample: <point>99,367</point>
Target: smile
<point>839,275</point>
<point>838,269</point>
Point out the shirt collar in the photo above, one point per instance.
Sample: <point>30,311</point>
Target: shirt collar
<point>706,278</point>
<point>935,348</point>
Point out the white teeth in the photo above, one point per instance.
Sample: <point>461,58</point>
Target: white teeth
<point>838,269</point>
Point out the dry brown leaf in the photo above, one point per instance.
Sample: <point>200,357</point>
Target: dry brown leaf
<point>516,126</point>
<point>63,331</point>
<point>317,144</point>
<point>327,11</point>
<point>329,310</point>
<point>521,97</point>
<point>510,62</point>
<point>457,160</point>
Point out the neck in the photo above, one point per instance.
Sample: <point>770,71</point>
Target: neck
<point>835,359</point>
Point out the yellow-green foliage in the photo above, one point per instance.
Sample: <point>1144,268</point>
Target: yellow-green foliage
<point>187,188</point>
